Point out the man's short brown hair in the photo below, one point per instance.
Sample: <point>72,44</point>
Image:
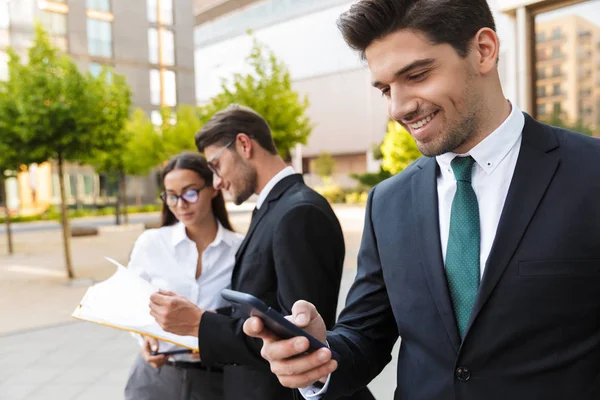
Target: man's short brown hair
<point>225,125</point>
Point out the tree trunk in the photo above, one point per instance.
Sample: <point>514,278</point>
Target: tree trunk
<point>118,203</point>
<point>123,186</point>
<point>63,218</point>
<point>7,213</point>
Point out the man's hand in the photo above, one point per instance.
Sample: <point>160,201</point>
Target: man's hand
<point>301,370</point>
<point>174,313</point>
<point>150,345</point>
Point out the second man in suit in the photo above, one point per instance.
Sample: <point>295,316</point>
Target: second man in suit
<point>294,249</point>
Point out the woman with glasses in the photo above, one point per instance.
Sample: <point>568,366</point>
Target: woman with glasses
<point>192,254</point>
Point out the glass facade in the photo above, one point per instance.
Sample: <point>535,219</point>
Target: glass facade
<point>169,88</point>
<point>155,87</point>
<point>99,38</point>
<point>99,5</point>
<point>258,15</point>
<point>153,45</point>
<point>167,44</point>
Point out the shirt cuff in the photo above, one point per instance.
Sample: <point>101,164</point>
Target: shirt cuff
<point>313,392</point>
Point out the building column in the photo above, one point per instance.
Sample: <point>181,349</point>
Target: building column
<point>525,60</point>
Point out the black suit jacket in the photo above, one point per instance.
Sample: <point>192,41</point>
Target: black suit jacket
<point>294,249</point>
<point>534,332</point>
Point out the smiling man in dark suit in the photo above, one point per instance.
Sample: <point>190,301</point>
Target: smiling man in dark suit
<point>294,249</point>
<point>483,255</point>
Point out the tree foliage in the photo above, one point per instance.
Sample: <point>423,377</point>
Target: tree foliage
<point>399,149</point>
<point>268,90</point>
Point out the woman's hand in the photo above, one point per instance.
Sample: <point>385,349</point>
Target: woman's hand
<point>150,345</point>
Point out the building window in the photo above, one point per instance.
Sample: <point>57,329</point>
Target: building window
<point>95,69</point>
<point>99,5</point>
<point>3,66</point>
<point>163,88</point>
<point>541,91</point>
<point>167,44</point>
<point>556,89</point>
<point>556,52</point>
<point>556,71</point>
<point>541,110</point>
<point>556,33</point>
<point>166,12</point>
<point>156,118</point>
<point>99,38</point>
<point>56,25</point>
<point>541,73</point>
<point>153,46</point>
<point>155,87</point>
<point>540,37</point>
<point>160,11</point>
<point>557,108</point>
<point>151,10</point>
<point>169,88</point>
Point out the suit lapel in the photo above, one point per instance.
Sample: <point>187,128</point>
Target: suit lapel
<point>425,203</point>
<point>536,166</point>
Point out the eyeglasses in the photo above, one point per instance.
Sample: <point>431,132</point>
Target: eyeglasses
<point>211,166</point>
<point>190,196</point>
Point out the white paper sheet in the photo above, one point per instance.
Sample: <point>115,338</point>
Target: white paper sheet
<point>122,301</point>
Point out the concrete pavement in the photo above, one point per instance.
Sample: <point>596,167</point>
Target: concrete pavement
<point>45,354</point>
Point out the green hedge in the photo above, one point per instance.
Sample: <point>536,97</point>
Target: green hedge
<point>53,213</point>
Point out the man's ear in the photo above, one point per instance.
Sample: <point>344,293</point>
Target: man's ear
<point>244,145</point>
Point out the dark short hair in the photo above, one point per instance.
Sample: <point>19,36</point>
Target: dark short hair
<point>197,163</point>
<point>225,125</point>
<point>454,22</point>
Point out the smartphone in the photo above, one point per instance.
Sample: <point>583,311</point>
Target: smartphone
<point>172,352</point>
<point>251,306</point>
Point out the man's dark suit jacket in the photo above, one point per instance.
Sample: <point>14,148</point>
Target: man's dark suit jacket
<point>534,332</point>
<point>294,249</point>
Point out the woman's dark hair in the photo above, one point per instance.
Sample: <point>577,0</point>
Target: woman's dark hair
<point>454,22</point>
<point>197,163</point>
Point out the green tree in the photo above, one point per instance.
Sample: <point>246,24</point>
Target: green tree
<point>324,165</point>
<point>145,149</point>
<point>60,113</point>
<point>268,90</point>
<point>178,129</point>
<point>115,96</point>
<point>398,148</point>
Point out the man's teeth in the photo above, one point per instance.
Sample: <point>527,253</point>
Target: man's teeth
<point>422,122</point>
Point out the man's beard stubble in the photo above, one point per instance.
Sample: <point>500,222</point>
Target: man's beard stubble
<point>247,180</point>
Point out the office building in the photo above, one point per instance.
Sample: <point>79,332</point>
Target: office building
<point>150,42</point>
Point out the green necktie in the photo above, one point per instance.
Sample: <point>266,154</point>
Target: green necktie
<point>462,253</point>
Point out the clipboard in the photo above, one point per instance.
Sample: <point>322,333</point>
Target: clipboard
<point>122,302</point>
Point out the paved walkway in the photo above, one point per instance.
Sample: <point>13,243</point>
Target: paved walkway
<point>45,354</point>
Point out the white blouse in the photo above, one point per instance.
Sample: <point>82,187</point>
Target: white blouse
<point>168,259</point>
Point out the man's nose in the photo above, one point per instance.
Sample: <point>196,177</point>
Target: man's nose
<point>217,182</point>
<point>401,106</point>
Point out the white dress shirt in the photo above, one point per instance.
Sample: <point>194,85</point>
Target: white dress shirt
<point>284,173</point>
<point>495,161</point>
<point>168,259</point>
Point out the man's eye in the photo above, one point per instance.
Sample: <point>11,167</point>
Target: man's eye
<point>418,77</point>
<point>385,92</point>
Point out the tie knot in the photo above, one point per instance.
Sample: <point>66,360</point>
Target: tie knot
<point>462,166</point>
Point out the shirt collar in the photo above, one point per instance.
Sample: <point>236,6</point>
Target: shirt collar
<point>490,152</point>
<point>284,173</point>
<point>223,235</point>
